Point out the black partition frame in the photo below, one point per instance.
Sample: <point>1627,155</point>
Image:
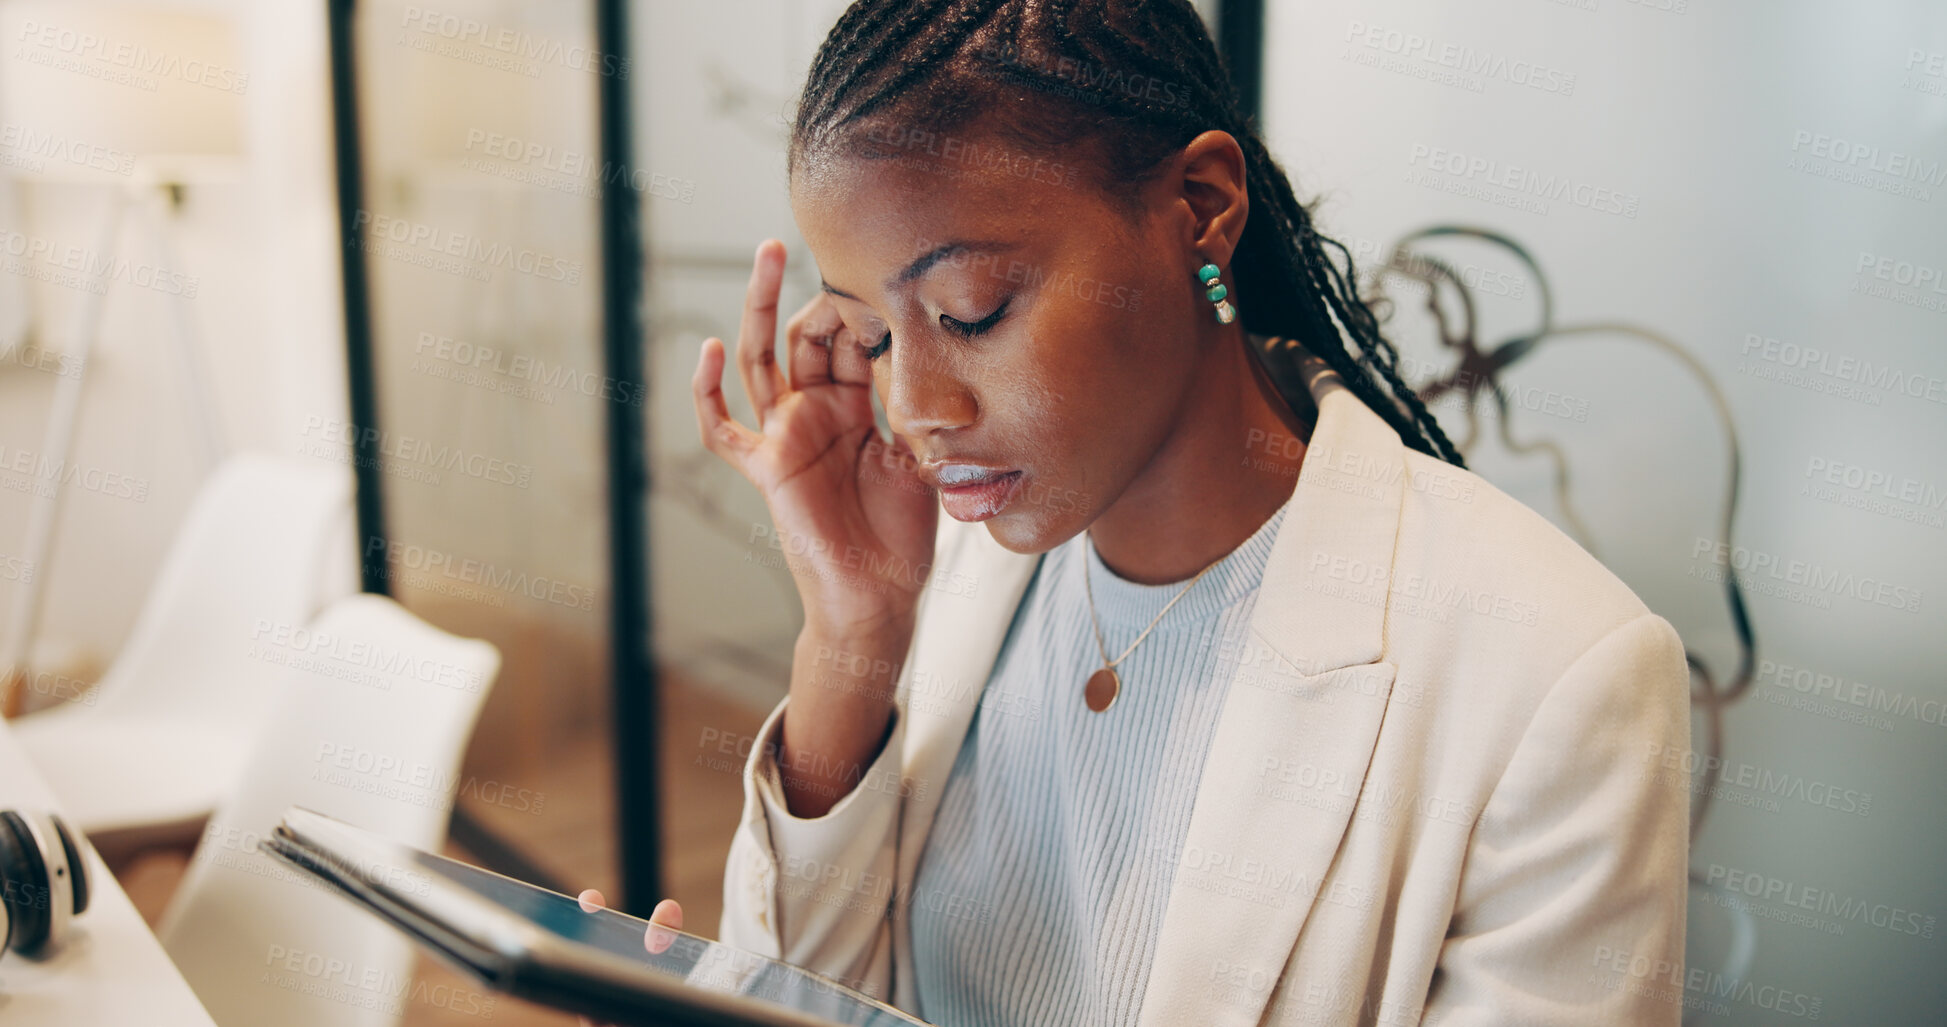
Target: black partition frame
<point>1240,38</point>
<point>634,687</point>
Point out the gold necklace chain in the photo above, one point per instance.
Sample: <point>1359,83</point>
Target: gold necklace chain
<point>1102,689</point>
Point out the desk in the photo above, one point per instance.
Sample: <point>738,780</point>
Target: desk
<point>112,971</point>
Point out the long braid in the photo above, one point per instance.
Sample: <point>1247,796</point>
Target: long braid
<point>916,60</point>
<point>1378,351</point>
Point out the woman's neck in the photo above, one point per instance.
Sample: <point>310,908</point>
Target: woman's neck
<point>1230,464</point>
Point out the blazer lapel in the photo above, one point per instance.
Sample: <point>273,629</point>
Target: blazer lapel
<point>1307,695</point>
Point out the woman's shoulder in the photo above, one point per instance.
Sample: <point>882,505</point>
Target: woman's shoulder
<point>1458,519</point>
<point>1485,573</point>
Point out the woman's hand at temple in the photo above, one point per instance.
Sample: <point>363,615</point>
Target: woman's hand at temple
<point>667,913</point>
<point>851,514</point>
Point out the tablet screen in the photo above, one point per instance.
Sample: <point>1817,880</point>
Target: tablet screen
<point>697,962</point>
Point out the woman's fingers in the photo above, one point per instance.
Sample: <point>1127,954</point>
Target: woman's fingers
<point>757,334</point>
<point>668,913</point>
<point>809,338</point>
<point>721,433</point>
<point>849,365</point>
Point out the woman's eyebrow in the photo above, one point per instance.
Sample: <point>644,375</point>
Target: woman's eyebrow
<point>926,261</point>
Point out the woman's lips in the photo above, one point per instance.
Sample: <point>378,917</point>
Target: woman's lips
<point>980,500</point>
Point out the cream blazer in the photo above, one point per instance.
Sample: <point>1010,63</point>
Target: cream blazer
<point>1445,786</point>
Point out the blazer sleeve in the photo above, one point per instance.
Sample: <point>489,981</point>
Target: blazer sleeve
<point>1571,902</point>
<point>816,891</point>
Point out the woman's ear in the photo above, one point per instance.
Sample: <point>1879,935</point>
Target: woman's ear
<point>1213,181</point>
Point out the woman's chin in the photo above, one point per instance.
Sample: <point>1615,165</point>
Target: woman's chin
<point>1028,535</point>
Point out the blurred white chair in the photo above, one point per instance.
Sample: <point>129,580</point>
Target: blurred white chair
<point>372,735</point>
<point>266,543</point>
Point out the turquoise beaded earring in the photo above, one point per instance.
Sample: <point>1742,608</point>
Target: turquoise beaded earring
<point>1216,292</point>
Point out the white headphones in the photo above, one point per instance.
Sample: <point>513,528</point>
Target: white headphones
<point>43,881</point>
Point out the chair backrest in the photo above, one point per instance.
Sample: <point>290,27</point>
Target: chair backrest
<point>257,551</point>
<point>372,733</point>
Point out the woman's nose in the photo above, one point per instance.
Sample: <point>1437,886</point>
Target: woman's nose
<point>925,396</point>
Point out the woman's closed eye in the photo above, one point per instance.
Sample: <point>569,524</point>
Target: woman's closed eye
<point>961,328</point>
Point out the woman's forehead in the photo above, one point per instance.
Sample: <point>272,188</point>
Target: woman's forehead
<point>887,208</point>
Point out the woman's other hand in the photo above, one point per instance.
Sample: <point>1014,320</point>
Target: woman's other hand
<point>668,913</point>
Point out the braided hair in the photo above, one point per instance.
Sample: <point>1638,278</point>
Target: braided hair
<point>1137,80</point>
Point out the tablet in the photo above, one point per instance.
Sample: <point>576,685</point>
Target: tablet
<point>541,946</point>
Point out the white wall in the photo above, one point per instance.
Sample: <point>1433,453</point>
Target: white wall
<point>238,111</point>
<point>1706,119</point>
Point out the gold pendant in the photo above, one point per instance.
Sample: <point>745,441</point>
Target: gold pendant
<point>1103,687</point>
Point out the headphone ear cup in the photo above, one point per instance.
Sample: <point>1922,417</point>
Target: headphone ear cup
<point>77,866</point>
<point>23,876</point>
<point>44,879</point>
